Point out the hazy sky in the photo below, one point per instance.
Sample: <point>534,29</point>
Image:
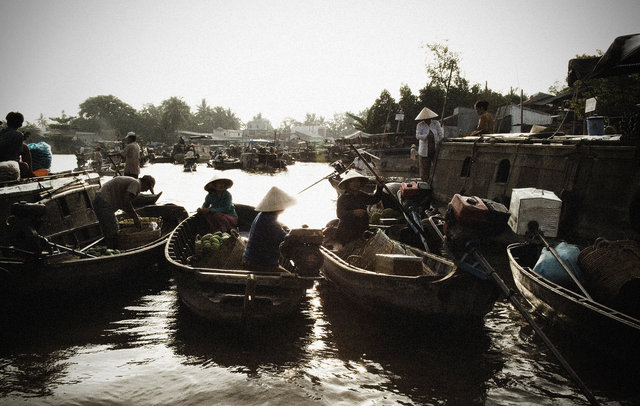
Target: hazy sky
<point>284,58</point>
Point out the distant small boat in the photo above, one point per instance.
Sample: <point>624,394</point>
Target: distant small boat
<point>145,199</point>
<point>227,163</point>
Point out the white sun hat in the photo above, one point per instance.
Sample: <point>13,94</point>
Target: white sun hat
<point>349,176</point>
<point>275,200</point>
<point>426,114</point>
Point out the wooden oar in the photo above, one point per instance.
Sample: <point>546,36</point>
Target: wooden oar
<point>533,228</point>
<point>489,271</point>
<point>114,165</point>
<point>320,180</point>
<point>516,303</point>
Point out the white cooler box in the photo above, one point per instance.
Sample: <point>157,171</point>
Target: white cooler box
<point>530,204</point>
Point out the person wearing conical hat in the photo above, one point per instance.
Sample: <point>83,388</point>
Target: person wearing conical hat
<point>263,247</point>
<point>218,208</point>
<point>351,207</point>
<point>429,134</point>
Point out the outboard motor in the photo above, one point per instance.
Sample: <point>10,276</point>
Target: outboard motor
<point>470,218</point>
<point>23,222</point>
<point>302,247</point>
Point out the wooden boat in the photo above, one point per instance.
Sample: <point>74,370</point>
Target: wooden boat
<point>227,163</point>
<point>146,199</point>
<point>59,266</point>
<point>448,293</point>
<point>610,330</point>
<point>230,295</point>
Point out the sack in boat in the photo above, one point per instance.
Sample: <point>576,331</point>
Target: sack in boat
<point>549,267</point>
<point>9,171</point>
<point>227,256</point>
<point>362,253</point>
<point>612,269</point>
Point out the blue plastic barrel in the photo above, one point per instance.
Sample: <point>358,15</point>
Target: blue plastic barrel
<point>595,125</point>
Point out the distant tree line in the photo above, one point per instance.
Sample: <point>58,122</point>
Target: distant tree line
<point>445,89</point>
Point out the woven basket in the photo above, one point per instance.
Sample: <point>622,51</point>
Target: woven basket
<point>131,237</point>
<point>611,268</point>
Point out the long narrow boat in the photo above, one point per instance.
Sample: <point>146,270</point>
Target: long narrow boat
<point>569,311</point>
<point>444,293</point>
<point>230,295</point>
<point>59,265</point>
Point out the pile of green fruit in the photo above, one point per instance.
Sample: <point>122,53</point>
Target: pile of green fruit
<point>99,250</point>
<point>210,243</point>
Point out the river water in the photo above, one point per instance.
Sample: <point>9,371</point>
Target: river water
<point>140,346</point>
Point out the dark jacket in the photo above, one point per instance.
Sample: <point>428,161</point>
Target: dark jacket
<point>351,226</point>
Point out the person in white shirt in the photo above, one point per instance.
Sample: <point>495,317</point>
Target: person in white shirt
<point>131,156</point>
<point>429,134</point>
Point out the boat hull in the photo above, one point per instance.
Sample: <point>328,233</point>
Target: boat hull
<point>230,295</point>
<point>27,278</point>
<point>571,312</point>
<point>452,295</point>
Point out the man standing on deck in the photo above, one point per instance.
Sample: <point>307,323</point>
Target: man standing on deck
<point>429,134</point>
<point>131,156</point>
<point>118,194</point>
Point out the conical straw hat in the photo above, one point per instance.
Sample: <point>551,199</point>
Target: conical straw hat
<point>426,114</point>
<point>351,175</point>
<point>216,178</point>
<point>275,200</point>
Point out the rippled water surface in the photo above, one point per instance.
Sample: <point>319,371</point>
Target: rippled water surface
<point>140,346</point>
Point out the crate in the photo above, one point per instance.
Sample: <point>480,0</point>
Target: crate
<point>530,204</point>
<point>397,264</point>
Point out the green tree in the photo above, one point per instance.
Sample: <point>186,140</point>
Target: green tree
<point>362,121</point>
<point>107,112</point>
<point>175,115</point>
<point>151,120</point>
<point>62,123</point>
<point>340,125</point>
<point>383,114</point>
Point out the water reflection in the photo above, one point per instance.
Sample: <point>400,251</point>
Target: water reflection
<point>271,349</point>
<point>38,341</point>
<point>415,358</point>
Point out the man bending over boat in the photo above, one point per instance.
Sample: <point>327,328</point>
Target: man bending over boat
<point>263,248</point>
<point>118,194</point>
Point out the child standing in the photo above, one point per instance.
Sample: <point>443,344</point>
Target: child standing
<point>218,206</point>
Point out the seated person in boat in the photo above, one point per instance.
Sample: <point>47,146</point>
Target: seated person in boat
<point>352,207</point>
<point>12,146</point>
<point>263,248</point>
<point>118,194</point>
<point>485,119</point>
<point>218,207</point>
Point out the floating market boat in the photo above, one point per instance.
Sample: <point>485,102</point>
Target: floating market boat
<point>145,199</point>
<point>230,294</point>
<point>569,311</point>
<point>409,282</point>
<point>226,163</point>
<point>49,263</point>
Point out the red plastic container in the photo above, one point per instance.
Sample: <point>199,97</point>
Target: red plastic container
<point>469,209</point>
<point>409,189</point>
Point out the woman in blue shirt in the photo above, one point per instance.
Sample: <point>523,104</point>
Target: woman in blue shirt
<point>218,206</point>
<point>263,248</point>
